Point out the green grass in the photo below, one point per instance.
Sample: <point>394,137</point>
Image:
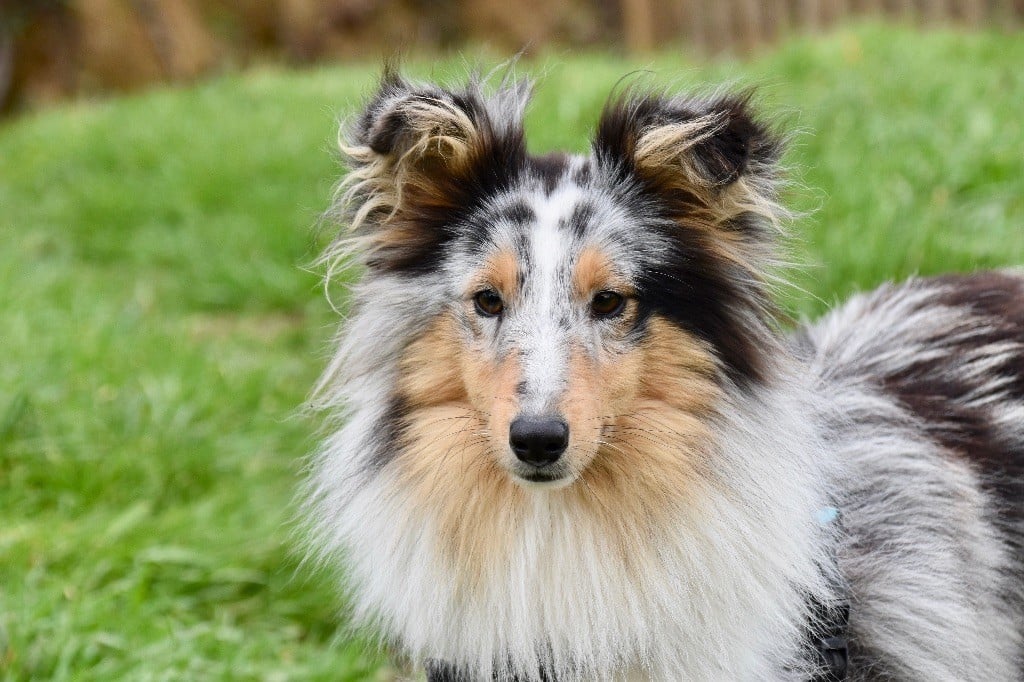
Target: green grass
<point>158,331</point>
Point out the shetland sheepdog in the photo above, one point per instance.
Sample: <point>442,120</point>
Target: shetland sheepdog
<point>570,440</point>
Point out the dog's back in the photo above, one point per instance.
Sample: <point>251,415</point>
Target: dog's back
<point>927,388</point>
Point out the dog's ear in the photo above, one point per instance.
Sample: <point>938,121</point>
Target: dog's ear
<point>406,128</point>
<point>710,156</point>
<point>421,147</point>
<point>703,173</point>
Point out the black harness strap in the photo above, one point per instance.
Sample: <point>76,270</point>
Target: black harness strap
<point>827,632</point>
<point>829,643</point>
<point>439,671</point>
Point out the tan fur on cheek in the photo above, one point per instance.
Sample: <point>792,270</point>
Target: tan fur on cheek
<point>678,370</point>
<point>597,391</point>
<point>429,367</point>
<point>451,475</point>
<point>438,369</point>
<point>460,403</point>
<point>660,439</point>
<point>493,387</point>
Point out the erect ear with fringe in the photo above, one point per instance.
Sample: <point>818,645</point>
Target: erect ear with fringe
<point>707,169</point>
<point>419,152</point>
<point>711,156</point>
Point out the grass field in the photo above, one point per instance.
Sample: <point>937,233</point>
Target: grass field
<point>158,331</point>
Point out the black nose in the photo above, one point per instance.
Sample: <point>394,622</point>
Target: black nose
<point>538,440</point>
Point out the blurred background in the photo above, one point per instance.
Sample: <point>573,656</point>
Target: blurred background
<point>54,49</point>
<point>163,168</point>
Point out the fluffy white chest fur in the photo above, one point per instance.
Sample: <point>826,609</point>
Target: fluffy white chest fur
<point>708,583</point>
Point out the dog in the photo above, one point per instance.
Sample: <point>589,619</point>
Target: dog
<point>570,439</point>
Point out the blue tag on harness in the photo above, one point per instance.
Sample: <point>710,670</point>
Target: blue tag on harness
<point>826,515</point>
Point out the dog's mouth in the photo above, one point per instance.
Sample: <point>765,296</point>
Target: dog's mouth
<point>547,477</point>
<point>541,477</point>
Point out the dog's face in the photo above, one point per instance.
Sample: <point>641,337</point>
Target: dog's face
<point>543,337</point>
<point>565,318</point>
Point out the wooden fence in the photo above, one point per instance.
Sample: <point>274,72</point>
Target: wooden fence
<point>712,26</point>
<point>53,49</point>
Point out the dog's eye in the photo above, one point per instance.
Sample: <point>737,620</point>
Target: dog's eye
<point>607,304</point>
<point>488,303</point>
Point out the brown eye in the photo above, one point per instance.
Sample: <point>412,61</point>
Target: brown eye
<point>488,303</point>
<point>607,304</point>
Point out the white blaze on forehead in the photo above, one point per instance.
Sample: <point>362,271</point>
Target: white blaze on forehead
<point>547,297</point>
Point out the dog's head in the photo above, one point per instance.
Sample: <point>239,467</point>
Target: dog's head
<point>559,318</point>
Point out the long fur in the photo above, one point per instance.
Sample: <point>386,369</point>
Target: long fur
<point>677,538</point>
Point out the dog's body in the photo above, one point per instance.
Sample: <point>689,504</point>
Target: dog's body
<point>574,445</point>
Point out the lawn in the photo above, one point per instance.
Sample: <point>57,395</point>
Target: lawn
<point>159,328</point>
